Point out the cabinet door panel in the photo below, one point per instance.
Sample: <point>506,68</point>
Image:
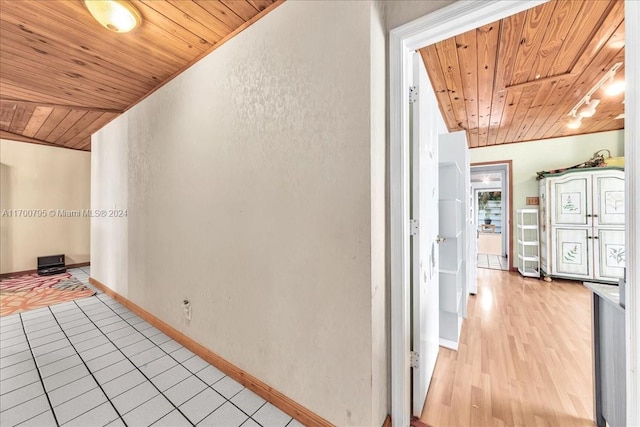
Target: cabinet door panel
<point>544,224</point>
<point>610,254</point>
<point>572,252</point>
<point>571,199</point>
<point>608,200</point>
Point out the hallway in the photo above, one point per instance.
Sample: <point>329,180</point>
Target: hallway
<point>524,357</point>
<point>93,362</point>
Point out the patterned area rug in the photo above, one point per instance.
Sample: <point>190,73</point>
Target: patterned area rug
<point>31,291</point>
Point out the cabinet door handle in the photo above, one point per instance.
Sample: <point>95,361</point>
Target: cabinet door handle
<point>596,237</point>
<point>595,215</point>
<point>589,215</point>
<point>589,237</point>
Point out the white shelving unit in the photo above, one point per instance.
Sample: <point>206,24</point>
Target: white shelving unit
<point>458,253</point>
<point>451,254</point>
<point>528,243</point>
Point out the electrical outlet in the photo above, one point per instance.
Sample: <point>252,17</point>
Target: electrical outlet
<point>186,306</point>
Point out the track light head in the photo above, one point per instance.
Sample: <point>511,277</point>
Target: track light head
<point>590,109</point>
<point>574,123</point>
<point>616,87</point>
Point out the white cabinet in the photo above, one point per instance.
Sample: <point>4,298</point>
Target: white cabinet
<point>582,224</point>
<point>528,243</point>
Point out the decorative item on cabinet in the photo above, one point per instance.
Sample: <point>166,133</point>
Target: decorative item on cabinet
<point>598,160</point>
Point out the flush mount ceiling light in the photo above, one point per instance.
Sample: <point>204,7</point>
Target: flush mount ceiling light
<point>591,104</point>
<point>115,15</point>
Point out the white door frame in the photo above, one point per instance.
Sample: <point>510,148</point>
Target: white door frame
<point>632,197</point>
<point>447,22</point>
<point>504,168</point>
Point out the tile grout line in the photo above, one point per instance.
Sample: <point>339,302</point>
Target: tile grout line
<point>99,305</point>
<point>90,373</point>
<point>44,389</point>
<point>250,416</point>
<point>96,309</point>
<point>136,367</point>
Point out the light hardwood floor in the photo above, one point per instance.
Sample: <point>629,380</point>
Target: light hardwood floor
<point>524,357</point>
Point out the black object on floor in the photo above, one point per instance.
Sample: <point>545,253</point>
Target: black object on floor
<point>51,264</point>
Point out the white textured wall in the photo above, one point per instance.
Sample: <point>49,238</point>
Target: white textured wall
<point>254,184</point>
<point>109,190</point>
<point>531,157</point>
<point>400,12</point>
<point>379,338</point>
<point>38,177</point>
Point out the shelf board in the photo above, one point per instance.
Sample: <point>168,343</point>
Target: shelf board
<point>528,242</point>
<point>529,272</point>
<point>453,272</point>
<point>533,258</point>
<point>527,227</point>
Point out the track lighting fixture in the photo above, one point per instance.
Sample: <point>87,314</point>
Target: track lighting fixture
<point>614,87</point>
<point>590,108</point>
<point>575,122</point>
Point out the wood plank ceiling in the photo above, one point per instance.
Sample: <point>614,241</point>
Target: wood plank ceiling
<point>517,79</point>
<point>63,76</point>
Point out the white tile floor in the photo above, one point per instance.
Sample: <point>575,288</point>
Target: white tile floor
<point>92,362</point>
<point>493,262</point>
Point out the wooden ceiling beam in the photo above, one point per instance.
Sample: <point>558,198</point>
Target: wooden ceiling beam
<point>67,106</point>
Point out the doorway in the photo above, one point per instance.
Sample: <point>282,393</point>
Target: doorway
<point>404,40</point>
<point>491,185</point>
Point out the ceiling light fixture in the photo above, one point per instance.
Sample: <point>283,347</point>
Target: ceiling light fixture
<point>616,87</point>
<point>590,109</point>
<point>115,15</point>
<point>575,122</point>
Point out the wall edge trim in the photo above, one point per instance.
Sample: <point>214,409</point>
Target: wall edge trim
<point>271,395</point>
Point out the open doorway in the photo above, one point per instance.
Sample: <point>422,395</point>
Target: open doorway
<point>432,28</point>
<point>491,185</point>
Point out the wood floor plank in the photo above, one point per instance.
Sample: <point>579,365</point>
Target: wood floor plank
<point>524,357</point>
